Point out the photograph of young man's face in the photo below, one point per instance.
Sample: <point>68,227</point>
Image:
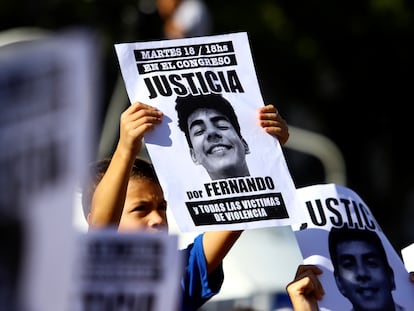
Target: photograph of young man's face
<point>363,276</point>
<point>215,143</point>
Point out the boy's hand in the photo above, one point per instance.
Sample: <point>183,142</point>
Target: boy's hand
<point>273,123</point>
<point>135,121</point>
<point>305,290</point>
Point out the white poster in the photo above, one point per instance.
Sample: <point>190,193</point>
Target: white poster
<point>361,269</point>
<point>190,80</point>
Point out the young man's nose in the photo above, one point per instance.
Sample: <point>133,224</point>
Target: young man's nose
<point>213,133</point>
<point>362,271</point>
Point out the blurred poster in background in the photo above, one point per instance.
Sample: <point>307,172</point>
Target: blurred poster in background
<point>126,271</point>
<point>48,89</point>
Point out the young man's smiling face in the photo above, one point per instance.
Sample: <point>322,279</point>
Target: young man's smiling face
<point>363,277</point>
<point>215,143</point>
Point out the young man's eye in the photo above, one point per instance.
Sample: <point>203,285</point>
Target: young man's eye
<point>162,207</point>
<point>373,262</point>
<point>347,263</point>
<point>197,131</point>
<point>223,127</point>
<point>223,124</point>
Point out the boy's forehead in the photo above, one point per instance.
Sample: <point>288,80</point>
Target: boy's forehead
<point>142,187</point>
<point>142,179</point>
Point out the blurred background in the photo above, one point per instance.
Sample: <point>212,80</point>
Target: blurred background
<point>339,69</point>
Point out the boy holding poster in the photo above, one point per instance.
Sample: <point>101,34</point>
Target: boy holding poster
<point>129,199</point>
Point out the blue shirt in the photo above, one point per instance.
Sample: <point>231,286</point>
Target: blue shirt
<point>197,286</point>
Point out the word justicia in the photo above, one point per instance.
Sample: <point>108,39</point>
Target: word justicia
<point>195,83</point>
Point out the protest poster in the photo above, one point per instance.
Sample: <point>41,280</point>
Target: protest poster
<point>183,77</point>
<point>361,269</point>
<point>126,271</point>
<point>47,93</point>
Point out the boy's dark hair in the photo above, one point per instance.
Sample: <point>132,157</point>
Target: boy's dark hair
<point>345,234</point>
<point>142,169</point>
<point>187,105</point>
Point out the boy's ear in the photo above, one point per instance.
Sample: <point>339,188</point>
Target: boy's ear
<point>193,156</point>
<point>88,219</point>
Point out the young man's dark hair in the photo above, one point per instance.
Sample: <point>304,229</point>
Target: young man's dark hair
<point>345,234</point>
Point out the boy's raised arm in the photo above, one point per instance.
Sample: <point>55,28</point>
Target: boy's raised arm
<point>109,196</point>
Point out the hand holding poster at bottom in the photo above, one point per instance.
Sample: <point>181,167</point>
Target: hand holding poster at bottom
<point>361,270</point>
